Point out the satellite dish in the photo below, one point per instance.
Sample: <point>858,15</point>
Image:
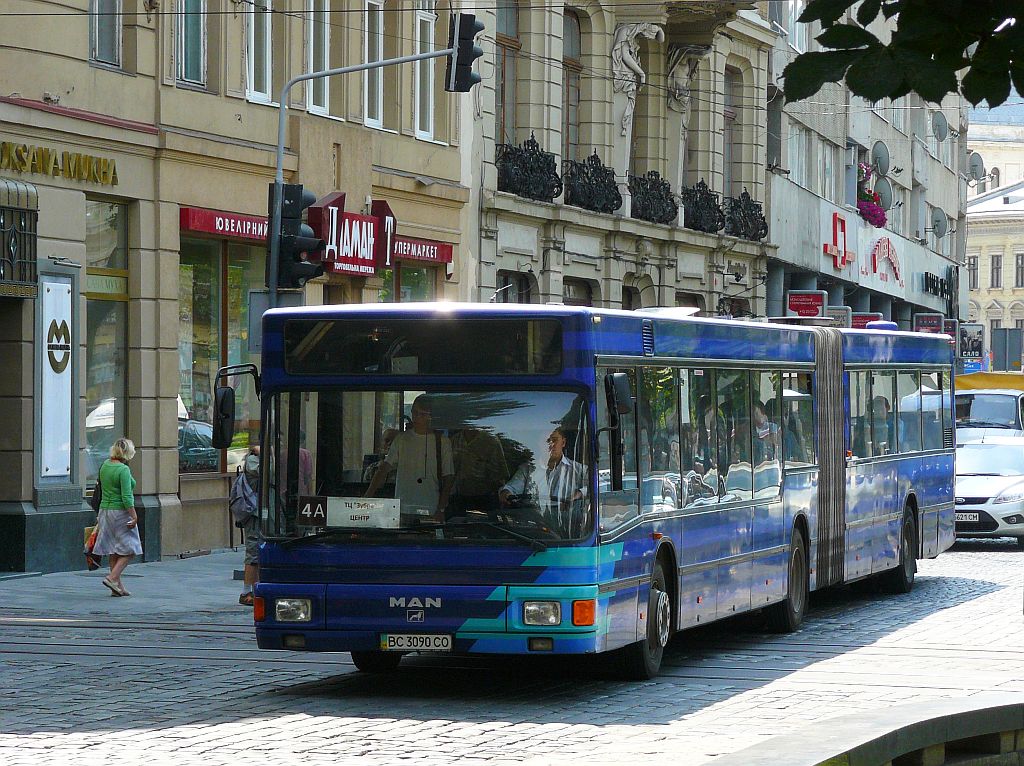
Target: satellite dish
<point>939,223</point>
<point>884,191</point>
<point>975,167</point>
<point>880,159</point>
<point>940,128</point>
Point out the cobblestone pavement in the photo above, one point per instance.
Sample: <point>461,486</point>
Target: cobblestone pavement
<point>172,674</point>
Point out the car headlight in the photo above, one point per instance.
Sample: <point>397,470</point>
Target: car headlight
<point>1012,495</point>
<point>544,613</point>
<point>293,610</point>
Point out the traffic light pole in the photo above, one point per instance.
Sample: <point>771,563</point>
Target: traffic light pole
<point>275,218</point>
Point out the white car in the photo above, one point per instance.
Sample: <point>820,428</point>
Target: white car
<point>990,487</point>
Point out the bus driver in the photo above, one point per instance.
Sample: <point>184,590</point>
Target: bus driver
<point>556,487</point>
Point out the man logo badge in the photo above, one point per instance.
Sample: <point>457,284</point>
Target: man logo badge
<point>414,615</point>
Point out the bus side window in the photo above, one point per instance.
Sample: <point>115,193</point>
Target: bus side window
<point>616,507</point>
<point>860,414</point>
<point>766,434</point>
<point>698,438</point>
<point>931,406</point>
<point>734,402</point>
<point>798,419</point>
<point>883,423</point>
<point>659,440</point>
<point>908,391</point>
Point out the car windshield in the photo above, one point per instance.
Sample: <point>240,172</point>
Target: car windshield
<point>361,464</point>
<point>990,460</point>
<point>987,410</point>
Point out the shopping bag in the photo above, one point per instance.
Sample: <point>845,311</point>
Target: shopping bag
<point>92,561</point>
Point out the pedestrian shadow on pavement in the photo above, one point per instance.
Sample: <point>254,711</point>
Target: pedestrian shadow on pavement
<point>702,667</point>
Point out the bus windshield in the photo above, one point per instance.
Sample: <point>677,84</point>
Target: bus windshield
<point>469,464</point>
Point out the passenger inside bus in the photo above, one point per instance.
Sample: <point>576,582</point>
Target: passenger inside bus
<point>558,486</point>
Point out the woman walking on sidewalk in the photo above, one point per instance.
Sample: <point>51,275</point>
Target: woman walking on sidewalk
<point>118,535</point>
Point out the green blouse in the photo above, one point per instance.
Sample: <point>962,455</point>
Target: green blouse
<point>118,486</point>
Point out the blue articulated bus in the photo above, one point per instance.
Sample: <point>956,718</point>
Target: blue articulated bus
<point>472,478</point>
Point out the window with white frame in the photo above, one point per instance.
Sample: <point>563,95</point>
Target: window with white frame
<point>826,177</point>
<point>318,46</point>
<point>426,21</point>
<point>192,41</point>
<point>260,57</point>
<point>798,154</point>
<point>373,102</point>
<point>899,114</point>
<point>105,31</point>
<point>796,33</point>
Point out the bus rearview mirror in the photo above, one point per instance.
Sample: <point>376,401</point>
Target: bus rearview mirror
<point>223,416</point>
<point>622,393</point>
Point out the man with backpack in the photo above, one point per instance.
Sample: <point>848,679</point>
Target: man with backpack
<point>244,506</point>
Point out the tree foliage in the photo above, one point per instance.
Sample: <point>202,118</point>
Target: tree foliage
<point>933,42</point>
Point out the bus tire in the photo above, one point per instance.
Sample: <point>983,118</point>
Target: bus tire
<point>787,615</point>
<point>901,578</point>
<point>376,662</point>
<point>642,660</point>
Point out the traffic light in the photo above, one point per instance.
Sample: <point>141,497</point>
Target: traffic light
<point>459,76</point>
<point>297,240</point>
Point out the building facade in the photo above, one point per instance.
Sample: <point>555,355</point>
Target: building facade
<point>618,156</point>
<point>995,259</point>
<point>895,255</point>
<point>136,148</point>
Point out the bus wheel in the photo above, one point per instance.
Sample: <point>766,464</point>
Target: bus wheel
<point>787,615</point>
<point>642,660</point>
<point>901,579</point>
<point>376,662</point>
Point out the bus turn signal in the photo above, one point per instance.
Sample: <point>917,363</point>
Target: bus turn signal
<point>583,612</point>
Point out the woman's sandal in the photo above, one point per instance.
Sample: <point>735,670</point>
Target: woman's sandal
<point>115,590</point>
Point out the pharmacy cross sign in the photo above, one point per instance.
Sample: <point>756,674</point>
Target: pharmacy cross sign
<point>841,257</point>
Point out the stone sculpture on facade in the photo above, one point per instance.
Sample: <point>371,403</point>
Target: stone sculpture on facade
<point>627,75</point>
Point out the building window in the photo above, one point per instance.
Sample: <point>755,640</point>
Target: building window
<point>796,33</point>
<point>572,72</point>
<point>997,324</point>
<point>730,133</point>
<point>215,280</point>
<point>508,47</point>
<point>826,179</point>
<point>972,272</point>
<point>426,20</point>
<point>513,287</point>
<point>577,292</point>
<point>631,299</point>
<point>373,107</point>
<point>192,41</point>
<point>798,138</point>
<point>996,271</point>
<point>994,175</point>
<point>1018,280</point>
<point>408,282</point>
<point>899,114</point>
<point>318,46</point>
<point>106,329</point>
<point>105,31</point>
<point>260,57</point>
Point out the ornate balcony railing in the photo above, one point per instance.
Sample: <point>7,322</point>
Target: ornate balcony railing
<point>591,185</point>
<point>18,252</point>
<point>652,198</point>
<point>527,171</point>
<point>701,209</point>
<point>744,218</point>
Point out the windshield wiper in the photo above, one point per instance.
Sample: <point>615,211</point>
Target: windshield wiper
<point>537,545</point>
<point>980,424</point>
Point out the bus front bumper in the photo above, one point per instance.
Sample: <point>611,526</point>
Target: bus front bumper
<point>317,640</point>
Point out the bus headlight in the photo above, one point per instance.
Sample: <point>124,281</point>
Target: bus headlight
<point>545,613</point>
<point>293,610</point>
